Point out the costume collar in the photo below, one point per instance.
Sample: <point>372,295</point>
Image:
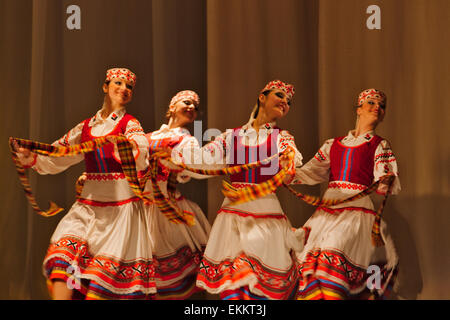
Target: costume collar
<point>178,131</point>
<point>268,126</point>
<point>364,137</point>
<point>113,118</point>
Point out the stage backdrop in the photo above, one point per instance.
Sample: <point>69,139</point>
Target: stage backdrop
<point>53,63</point>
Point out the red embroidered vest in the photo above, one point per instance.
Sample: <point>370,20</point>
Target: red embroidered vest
<point>243,154</point>
<point>102,160</point>
<point>353,164</point>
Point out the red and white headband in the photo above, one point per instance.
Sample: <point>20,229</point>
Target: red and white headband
<point>371,93</point>
<point>121,73</point>
<point>184,95</point>
<point>278,84</point>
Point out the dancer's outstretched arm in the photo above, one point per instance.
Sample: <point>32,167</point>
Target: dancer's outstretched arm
<point>51,165</point>
<point>317,169</point>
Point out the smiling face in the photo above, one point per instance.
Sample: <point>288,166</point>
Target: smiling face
<point>118,91</point>
<point>275,104</point>
<point>183,112</point>
<point>372,110</point>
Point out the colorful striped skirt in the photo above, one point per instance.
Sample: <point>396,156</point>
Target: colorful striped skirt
<point>339,260</point>
<point>251,250</point>
<point>102,252</point>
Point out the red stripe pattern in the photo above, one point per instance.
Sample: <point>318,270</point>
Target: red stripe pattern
<point>330,275</point>
<point>242,293</point>
<point>252,214</point>
<point>340,210</point>
<point>274,284</point>
<point>107,204</point>
<point>174,266</point>
<point>118,274</point>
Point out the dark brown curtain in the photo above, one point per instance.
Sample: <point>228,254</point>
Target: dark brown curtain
<point>227,51</point>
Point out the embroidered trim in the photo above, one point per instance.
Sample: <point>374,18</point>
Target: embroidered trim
<point>175,265</point>
<point>134,130</point>
<point>320,156</point>
<point>286,141</point>
<point>330,274</point>
<point>105,177</point>
<point>253,215</point>
<point>242,270</point>
<point>345,185</point>
<point>107,204</point>
<point>241,184</point>
<point>384,155</point>
<point>64,141</point>
<point>384,161</point>
<point>115,275</point>
<point>340,210</point>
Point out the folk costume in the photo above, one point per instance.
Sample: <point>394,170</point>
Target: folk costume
<point>339,256</point>
<point>101,247</point>
<point>177,248</point>
<point>250,252</point>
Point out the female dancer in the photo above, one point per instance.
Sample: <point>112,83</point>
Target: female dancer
<point>339,256</point>
<point>249,254</point>
<point>177,248</point>
<point>100,248</point>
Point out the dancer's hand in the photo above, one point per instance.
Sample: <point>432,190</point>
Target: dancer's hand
<point>288,178</point>
<point>284,158</point>
<point>284,163</point>
<point>387,179</point>
<point>232,199</point>
<point>21,152</point>
<point>82,179</point>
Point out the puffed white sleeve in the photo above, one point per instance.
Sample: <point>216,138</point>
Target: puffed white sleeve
<point>386,163</point>
<point>135,134</point>
<point>317,169</point>
<point>211,156</point>
<point>51,165</point>
<point>285,140</point>
<point>184,152</point>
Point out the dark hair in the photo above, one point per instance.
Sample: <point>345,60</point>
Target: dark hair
<point>265,92</point>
